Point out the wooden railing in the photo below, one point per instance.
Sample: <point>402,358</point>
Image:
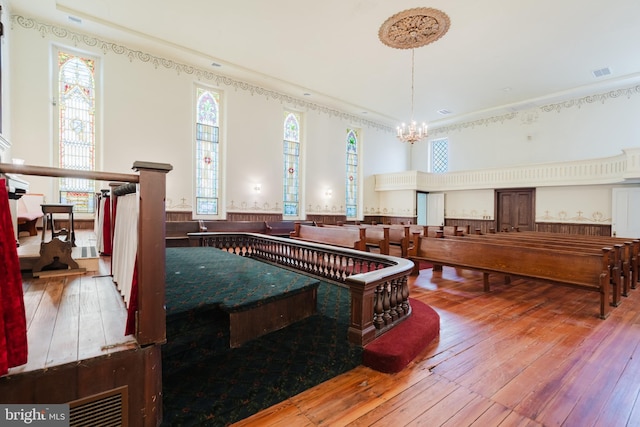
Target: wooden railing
<point>378,284</point>
<point>144,378</point>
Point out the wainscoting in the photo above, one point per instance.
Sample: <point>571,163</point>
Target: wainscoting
<point>583,229</point>
<point>485,226</point>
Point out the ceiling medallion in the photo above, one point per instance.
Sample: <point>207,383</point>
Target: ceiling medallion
<point>413,28</point>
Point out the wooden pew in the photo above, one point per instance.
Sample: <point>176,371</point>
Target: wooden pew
<point>436,231</point>
<point>588,271</point>
<point>176,232</point>
<point>400,236</point>
<point>618,259</point>
<point>634,249</point>
<point>282,228</point>
<point>625,250</point>
<point>346,237</point>
<point>234,226</point>
<point>376,236</point>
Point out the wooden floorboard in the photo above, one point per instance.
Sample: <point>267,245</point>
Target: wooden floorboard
<point>71,317</point>
<point>524,354</point>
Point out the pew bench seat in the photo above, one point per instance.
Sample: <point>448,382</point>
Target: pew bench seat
<point>345,237</point>
<point>176,233</point>
<point>583,270</point>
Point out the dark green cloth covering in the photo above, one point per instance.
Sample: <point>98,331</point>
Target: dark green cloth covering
<point>205,383</point>
<point>202,276</point>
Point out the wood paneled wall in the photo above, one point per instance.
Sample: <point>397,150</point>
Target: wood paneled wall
<point>378,219</point>
<point>583,229</point>
<point>549,227</point>
<point>328,219</point>
<point>483,225</point>
<point>231,216</point>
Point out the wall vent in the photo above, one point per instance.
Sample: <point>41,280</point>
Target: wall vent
<point>107,409</point>
<point>602,72</point>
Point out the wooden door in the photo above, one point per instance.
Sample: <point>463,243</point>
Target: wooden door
<point>515,208</point>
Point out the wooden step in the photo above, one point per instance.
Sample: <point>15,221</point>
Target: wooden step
<point>87,258</point>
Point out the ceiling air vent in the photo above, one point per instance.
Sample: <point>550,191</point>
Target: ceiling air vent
<point>444,111</point>
<point>601,72</point>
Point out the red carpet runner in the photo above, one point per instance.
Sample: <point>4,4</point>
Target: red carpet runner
<point>395,349</point>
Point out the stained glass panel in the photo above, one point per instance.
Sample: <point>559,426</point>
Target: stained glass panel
<point>291,154</point>
<point>207,152</point>
<point>351,185</point>
<point>76,92</point>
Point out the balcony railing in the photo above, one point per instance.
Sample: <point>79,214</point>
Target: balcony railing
<point>377,283</point>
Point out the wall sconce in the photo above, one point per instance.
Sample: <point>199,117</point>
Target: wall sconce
<point>328,193</point>
<point>257,188</point>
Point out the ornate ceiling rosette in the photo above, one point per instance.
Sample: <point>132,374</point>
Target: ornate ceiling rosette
<point>413,28</point>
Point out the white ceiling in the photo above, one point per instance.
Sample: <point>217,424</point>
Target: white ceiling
<point>497,54</point>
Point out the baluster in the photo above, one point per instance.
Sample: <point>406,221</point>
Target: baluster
<point>386,305</point>
<point>405,294</point>
<point>393,301</point>
<point>378,320</point>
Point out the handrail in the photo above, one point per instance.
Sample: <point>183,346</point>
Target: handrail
<point>150,319</point>
<point>150,316</point>
<point>66,173</point>
<point>377,283</point>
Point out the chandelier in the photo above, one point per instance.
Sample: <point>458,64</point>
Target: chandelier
<point>412,132</point>
<point>410,29</point>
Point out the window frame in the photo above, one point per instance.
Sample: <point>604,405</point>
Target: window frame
<point>57,142</point>
<point>219,173</point>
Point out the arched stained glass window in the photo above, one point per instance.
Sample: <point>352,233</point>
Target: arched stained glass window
<point>352,173</point>
<point>291,148</point>
<point>76,113</point>
<point>207,131</point>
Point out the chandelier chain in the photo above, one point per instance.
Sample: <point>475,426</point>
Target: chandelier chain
<point>413,66</point>
<point>412,133</point>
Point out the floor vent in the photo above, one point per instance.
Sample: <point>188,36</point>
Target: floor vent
<point>108,409</point>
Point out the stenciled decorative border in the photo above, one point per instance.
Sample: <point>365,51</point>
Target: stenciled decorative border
<point>106,46</point>
<point>220,80</point>
<point>530,115</point>
<point>596,217</point>
<point>590,99</point>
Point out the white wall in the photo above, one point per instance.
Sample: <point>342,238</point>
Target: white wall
<point>146,113</point>
<point>473,204</point>
<point>582,127</point>
<point>579,204</point>
<point>599,125</point>
<point>589,204</point>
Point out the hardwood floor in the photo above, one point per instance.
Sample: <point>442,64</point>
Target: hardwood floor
<point>525,354</point>
<point>73,317</point>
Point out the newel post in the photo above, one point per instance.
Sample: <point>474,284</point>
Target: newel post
<point>361,328</point>
<point>151,321</point>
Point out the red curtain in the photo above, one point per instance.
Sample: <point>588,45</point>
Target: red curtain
<point>13,324</point>
<point>133,303</point>
<point>106,227</point>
